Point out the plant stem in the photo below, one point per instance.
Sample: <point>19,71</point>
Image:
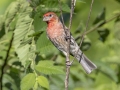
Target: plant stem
<point>73,2</point>
<point>5,63</point>
<point>86,24</point>
<point>68,63</point>
<point>102,23</point>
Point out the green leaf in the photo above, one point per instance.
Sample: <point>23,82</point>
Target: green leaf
<point>24,45</point>
<point>35,86</point>
<point>47,67</point>
<point>86,44</point>
<point>53,5</point>
<point>65,7</point>
<point>43,81</point>
<point>101,16</point>
<point>27,64</point>
<point>45,46</point>
<point>10,80</point>
<point>39,25</point>
<point>103,34</point>
<point>2,22</point>
<point>105,69</point>
<point>28,81</point>
<point>118,1</point>
<point>11,12</point>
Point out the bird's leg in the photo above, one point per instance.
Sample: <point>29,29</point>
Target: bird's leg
<point>67,60</point>
<point>68,63</point>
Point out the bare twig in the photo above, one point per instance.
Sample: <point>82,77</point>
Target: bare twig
<point>54,57</point>
<point>5,63</point>
<point>68,47</point>
<point>82,37</point>
<point>67,57</point>
<point>68,63</point>
<point>68,67</point>
<point>72,10</point>
<point>102,23</point>
<point>86,24</point>
<point>61,14</point>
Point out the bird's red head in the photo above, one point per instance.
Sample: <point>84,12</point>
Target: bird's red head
<point>50,17</point>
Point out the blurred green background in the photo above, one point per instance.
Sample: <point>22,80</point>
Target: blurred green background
<point>102,45</point>
<point>3,5</point>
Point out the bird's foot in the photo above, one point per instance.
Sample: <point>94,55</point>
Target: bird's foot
<point>68,63</point>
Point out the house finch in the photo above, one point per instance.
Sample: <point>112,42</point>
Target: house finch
<point>58,36</point>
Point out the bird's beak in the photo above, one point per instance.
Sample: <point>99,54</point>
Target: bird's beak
<point>45,19</point>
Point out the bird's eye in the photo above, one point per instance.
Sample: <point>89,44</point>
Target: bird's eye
<point>50,15</point>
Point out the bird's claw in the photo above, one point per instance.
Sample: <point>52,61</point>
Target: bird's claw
<point>68,63</point>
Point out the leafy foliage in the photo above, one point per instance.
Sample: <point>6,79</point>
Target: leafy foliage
<point>46,67</point>
<point>24,28</point>
<point>43,82</point>
<point>34,63</point>
<point>28,81</point>
<point>100,17</point>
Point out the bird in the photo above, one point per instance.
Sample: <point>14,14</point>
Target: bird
<point>57,33</point>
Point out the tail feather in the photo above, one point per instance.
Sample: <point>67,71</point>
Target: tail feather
<point>88,65</point>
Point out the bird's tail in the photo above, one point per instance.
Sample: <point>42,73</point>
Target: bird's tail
<point>88,65</point>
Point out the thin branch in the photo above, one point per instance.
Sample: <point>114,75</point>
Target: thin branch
<point>82,37</point>
<point>102,23</point>
<point>5,63</point>
<point>68,36</point>
<point>71,13</point>
<point>61,14</point>
<point>86,23</point>
<point>67,57</point>
<point>85,32</point>
<point>68,63</point>
<point>54,57</point>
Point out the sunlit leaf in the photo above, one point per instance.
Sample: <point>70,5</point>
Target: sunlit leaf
<point>43,81</point>
<point>47,67</point>
<point>11,13</point>
<point>53,5</point>
<point>24,45</point>
<point>35,86</point>
<point>28,81</point>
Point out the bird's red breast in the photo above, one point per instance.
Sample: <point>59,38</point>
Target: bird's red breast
<point>54,29</point>
<point>54,25</point>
